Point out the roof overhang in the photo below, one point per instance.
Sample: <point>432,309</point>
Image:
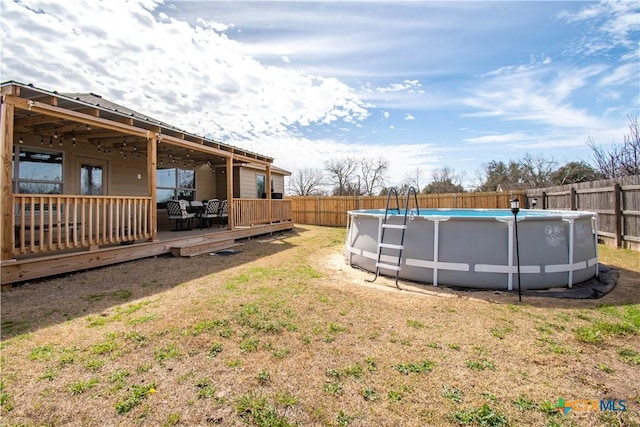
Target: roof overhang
<point>101,121</point>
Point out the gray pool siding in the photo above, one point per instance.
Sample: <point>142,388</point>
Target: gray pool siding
<point>479,252</point>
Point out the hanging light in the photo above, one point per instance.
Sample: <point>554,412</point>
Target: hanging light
<point>50,141</point>
<point>61,141</point>
<point>41,140</point>
<point>55,133</point>
<point>21,141</point>
<point>73,139</point>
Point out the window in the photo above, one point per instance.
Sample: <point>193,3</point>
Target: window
<point>38,171</point>
<point>260,185</point>
<point>174,183</point>
<point>91,180</point>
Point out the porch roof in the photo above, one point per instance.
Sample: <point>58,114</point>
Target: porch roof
<point>94,106</point>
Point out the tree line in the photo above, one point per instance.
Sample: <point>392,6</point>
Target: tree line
<point>352,176</point>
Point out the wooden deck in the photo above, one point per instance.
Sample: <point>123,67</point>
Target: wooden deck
<point>180,243</point>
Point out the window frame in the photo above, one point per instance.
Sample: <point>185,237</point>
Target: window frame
<point>16,170</point>
<point>260,192</point>
<point>176,189</point>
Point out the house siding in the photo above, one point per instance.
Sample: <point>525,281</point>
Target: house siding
<point>206,184</point>
<point>248,189</point>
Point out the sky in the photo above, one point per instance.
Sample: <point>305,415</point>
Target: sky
<point>421,84</point>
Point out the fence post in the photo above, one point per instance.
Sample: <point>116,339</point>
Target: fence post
<point>318,211</point>
<point>617,193</point>
<point>574,199</point>
<point>544,200</point>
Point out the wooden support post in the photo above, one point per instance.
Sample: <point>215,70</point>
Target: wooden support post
<point>574,199</point>
<point>6,192</point>
<point>152,158</point>
<point>230,218</point>
<point>269,192</point>
<point>617,208</point>
<point>544,200</point>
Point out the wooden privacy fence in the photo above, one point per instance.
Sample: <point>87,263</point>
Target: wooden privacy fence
<point>332,210</point>
<point>616,201</point>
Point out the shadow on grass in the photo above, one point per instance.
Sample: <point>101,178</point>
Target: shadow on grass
<point>40,303</point>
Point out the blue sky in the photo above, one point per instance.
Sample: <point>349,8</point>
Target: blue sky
<point>423,84</point>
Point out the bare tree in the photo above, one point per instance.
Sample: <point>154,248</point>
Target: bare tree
<point>415,178</point>
<point>341,174</point>
<point>537,170</point>
<point>445,180</point>
<point>619,159</point>
<point>306,182</point>
<point>631,154</point>
<point>372,175</point>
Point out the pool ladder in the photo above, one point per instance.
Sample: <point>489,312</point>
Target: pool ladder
<point>398,248</point>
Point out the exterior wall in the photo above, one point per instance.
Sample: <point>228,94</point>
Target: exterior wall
<point>128,177</point>
<point>278,183</point>
<point>206,184</point>
<point>248,182</point>
<point>220,183</point>
<point>248,189</point>
<point>124,177</point>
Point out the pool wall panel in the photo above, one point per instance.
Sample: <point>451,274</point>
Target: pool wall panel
<point>480,252</point>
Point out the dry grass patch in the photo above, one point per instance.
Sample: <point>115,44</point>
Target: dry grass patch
<point>285,333</point>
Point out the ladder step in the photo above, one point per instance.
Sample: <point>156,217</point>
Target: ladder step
<point>390,246</point>
<point>388,266</point>
<point>395,226</point>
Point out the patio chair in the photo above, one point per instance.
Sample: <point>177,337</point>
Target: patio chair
<point>210,211</point>
<point>223,212</point>
<point>177,210</point>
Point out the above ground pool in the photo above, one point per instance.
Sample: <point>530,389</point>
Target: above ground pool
<point>476,248</point>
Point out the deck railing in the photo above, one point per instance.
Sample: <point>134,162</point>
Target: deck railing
<point>45,223</point>
<point>248,212</point>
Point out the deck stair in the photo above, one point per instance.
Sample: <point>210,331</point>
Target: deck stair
<point>393,249</point>
<point>205,246</point>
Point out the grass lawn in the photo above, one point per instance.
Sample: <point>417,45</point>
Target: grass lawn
<point>284,333</point>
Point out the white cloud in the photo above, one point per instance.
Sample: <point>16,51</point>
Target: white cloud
<point>624,74</point>
<point>193,77</point>
<point>535,93</point>
<point>410,86</point>
<point>409,117</point>
<point>616,24</point>
<point>498,138</point>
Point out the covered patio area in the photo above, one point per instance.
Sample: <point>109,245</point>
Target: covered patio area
<point>85,182</point>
